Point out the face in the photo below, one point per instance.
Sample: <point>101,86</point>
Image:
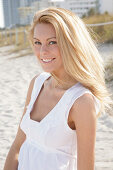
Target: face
<point>46,48</point>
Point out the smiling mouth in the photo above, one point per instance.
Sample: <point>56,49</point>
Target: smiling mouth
<point>47,60</point>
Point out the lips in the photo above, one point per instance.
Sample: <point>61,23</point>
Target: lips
<point>47,60</point>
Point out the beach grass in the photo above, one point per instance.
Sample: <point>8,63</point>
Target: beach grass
<point>109,71</point>
<point>103,33</point>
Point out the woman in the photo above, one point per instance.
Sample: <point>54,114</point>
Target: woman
<point>58,128</point>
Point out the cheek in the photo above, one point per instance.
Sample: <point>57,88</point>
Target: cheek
<point>56,51</point>
<point>36,51</point>
<point>58,54</point>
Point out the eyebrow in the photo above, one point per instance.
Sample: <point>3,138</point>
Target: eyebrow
<point>47,38</point>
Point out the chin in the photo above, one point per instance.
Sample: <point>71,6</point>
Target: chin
<point>48,70</point>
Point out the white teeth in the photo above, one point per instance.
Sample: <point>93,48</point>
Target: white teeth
<point>47,60</point>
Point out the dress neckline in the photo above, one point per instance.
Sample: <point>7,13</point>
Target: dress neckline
<point>57,104</point>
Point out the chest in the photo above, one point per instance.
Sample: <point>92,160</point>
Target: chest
<point>45,102</point>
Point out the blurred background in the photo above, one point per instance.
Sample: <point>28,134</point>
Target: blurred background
<point>18,65</point>
<point>16,16</point>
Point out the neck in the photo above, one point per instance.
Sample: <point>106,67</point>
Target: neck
<point>64,81</point>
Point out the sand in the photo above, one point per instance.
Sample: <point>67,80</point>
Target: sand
<point>15,75</point>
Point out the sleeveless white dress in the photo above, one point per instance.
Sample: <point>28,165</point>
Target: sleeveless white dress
<point>51,144</point>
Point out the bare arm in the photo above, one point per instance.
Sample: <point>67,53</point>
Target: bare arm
<point>11,162</point>
<point>84,116</point>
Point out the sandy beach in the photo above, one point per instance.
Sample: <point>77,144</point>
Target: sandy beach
<point>15,75</point>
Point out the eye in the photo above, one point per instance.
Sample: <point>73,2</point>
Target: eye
<point>52,42</point>
<point>37,42</point>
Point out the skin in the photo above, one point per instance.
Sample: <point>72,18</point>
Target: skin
<point>82,116</point>
<point>46,47</point>
<point>11,162</point>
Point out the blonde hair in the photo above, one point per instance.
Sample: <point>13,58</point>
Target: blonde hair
<point>81,58</point>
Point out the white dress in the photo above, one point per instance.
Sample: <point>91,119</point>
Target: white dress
<point>50,144</point>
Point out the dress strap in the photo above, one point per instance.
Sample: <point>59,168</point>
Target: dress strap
<point>76,93</point>
<point>37,86</point>
<point>39,82</point>
<point>36,89</point>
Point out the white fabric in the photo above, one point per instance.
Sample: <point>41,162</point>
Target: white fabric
<point>50,144</point>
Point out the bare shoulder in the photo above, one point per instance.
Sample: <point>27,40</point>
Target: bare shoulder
<point>83,110</point>
<point>29,92</point>
<point>84,118</point>
<point>86,101</point>
<point>32,81</point>
<point>20,136</point>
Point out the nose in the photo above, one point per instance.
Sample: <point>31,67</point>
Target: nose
<point>43,49</point>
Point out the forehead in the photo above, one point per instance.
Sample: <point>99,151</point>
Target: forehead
<point>44,30</point>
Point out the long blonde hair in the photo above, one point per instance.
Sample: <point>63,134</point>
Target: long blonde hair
<point>81,58</point>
